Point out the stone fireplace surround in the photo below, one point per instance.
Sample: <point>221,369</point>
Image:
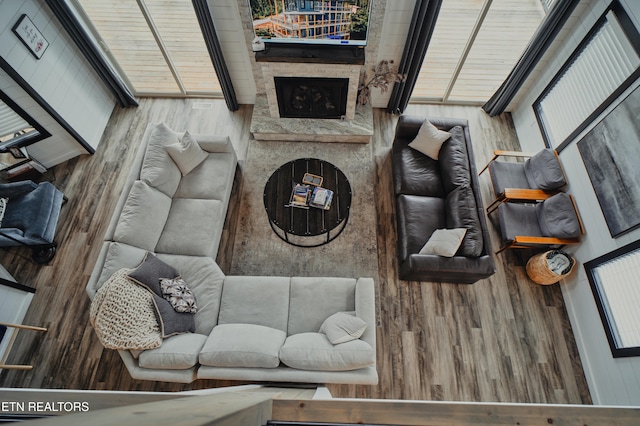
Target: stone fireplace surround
<point>266,123</point>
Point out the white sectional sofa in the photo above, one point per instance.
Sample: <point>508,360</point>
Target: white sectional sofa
<point>246,328</point>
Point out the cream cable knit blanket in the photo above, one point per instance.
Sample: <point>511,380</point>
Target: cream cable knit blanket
<point>123,315</point>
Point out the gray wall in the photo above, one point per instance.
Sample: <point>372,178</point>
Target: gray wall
<point>611,381</point>
<point>62,77</point>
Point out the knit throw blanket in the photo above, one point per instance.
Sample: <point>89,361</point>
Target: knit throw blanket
<point>123,315</point>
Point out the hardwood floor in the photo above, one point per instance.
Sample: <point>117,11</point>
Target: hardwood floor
<point>503,339</point>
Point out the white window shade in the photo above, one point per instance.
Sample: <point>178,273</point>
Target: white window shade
<point>10,122</point>
<point>605,62</point>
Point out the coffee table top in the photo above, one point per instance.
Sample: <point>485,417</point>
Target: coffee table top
<point>295,221</point>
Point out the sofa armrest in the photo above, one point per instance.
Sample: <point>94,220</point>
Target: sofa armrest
<point>365,301</point>
<point>457,269</point>
<point>214,143</point>
<point>408,126</point>
<point>15,189</point>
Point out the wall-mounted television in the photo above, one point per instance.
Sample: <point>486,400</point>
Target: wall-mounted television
<point>339,22</point>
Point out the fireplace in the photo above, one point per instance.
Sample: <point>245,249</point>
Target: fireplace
<point>311,97</point>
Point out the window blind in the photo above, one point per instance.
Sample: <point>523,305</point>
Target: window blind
<point>605,62</point>
<point>620,294</point>
<point>10,122</point>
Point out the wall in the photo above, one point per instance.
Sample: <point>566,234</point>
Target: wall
<point>62,77</point>
<point>611,381</point>
<point>388,26</point>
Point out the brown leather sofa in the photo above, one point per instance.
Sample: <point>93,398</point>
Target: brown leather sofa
<point>435,194</point>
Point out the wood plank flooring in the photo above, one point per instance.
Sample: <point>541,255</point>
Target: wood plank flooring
<point>503,339</point>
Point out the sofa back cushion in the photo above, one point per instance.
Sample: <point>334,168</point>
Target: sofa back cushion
<point>462,212</point>
<point>158,169</point>
<point>255,300</point>
<point>454,161</point>
<point>143,217</point>
<point>543,171</point>
<point>314,299</point>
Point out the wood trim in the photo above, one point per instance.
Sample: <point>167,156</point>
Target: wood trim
<point>45,105</point>
<point>429,413</point>
<point>520,195</point>
<point>23,327</point>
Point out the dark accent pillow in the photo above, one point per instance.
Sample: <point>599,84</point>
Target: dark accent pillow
<point>557,217</point>
<point>462,213</point>
<point>454,161</point>
<point>543,171</point>
<point>178,294</point>
<point>172,322</point>
<point>149,272</point>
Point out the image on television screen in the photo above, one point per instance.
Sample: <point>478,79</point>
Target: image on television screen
<point>311,21</point>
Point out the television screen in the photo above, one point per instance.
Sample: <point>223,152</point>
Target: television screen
<point>342,22</point>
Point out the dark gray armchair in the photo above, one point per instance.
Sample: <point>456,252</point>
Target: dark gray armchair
<point>30,217</point>
<point>538,177</point>
<point>548,224</point>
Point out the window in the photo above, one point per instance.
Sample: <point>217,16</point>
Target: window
<point>157,44</point>
<point>473,49</point>
<point>614,282</point>
<point>605,63</point>
<point>17,128</point>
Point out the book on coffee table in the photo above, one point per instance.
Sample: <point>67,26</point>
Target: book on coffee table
<point>300,196</point>
<point>321,198</point>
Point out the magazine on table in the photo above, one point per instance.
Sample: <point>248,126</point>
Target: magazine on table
<point>300,196</point>
<point>321,198</point>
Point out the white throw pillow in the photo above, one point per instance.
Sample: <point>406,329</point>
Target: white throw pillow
<point>342,327</point>
<point>187,154</point>
<point>444,242</point>
<point>429,140</point>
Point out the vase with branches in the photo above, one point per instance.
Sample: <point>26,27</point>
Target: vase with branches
<point>384,74</point>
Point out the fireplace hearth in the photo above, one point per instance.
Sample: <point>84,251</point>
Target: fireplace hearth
<point>312,97</point>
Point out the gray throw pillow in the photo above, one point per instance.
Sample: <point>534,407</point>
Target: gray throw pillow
<point>557,217</point>
<point>343,327</point>
<point>150,271</point>
<point>543,171</point>
<point>178,294</point>
<point>172,322</point>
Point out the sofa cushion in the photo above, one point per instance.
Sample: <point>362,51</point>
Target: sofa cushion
<point>143,217</point>
<point>314,299</point>
<point>211,180</point>
<point>463,213</point>
<point>418,218</point>
<point>543,171</point>
<point>243,345</point>
<point>343,327</point>
<point>454,161</point>
<point>120,255</point>
<point>313,351</point>
<point>505,174</point>
<point>557,217</point>
<point>158,169</point>
<point>150,271</point>
<point>429,140</point>
<point>414,173</point>
<point>255,300</point>
<point>205,280</point>
<point>192,228</point>
<point>172,322</point>
<point>444,242</point>
<point>187,154</point>
<point>177,352</point>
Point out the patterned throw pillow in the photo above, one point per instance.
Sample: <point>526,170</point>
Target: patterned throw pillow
<point>3,207</point>
<point>178,294</point>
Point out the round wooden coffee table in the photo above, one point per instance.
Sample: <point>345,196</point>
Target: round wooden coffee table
<point>307,227</point>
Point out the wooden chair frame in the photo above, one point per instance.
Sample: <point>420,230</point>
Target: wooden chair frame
<point>522,241</point>
<point>18,327</point>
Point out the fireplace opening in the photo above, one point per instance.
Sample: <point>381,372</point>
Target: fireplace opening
<point>311,97</point>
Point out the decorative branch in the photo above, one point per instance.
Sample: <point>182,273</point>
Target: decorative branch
<point>384,74</point>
